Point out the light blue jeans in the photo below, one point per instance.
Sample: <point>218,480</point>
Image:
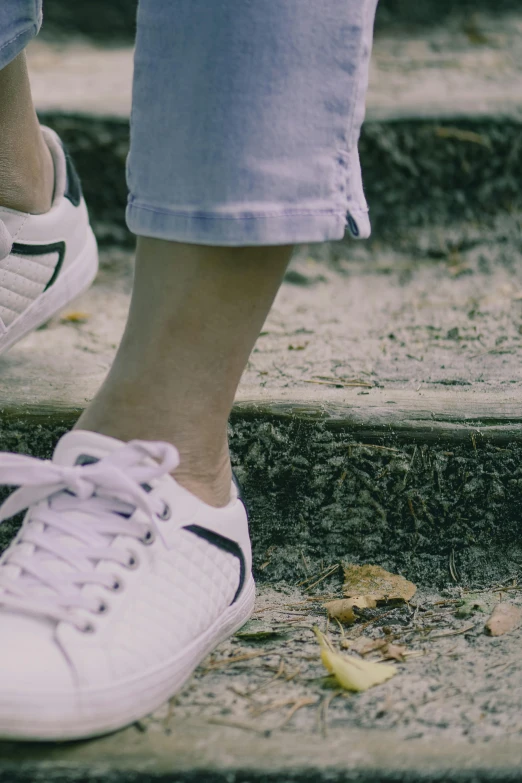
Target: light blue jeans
<point>245,120</point>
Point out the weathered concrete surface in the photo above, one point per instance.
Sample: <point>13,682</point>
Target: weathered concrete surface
<point>350,320</point>
<point>379,415</point>
<point>195,753</point>
<point>440,145</point>
<point>452,713</point>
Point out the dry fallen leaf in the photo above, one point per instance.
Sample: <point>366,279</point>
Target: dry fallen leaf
<point>374,582</point>
<point>352,674</point>
<point>394,651</point>
<point>341,610</point>
<point>74,318</point>
<point>505,617</point>
<point>256,630</point>
<point>363,602</point>
<point>364,645</point>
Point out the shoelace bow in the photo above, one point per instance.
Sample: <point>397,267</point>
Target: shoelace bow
<point>6,241</point>
<point>59,548</point>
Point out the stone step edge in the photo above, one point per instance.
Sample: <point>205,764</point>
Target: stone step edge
<point>211,753</point>
<point>293,450</point>
<point>404,415</point>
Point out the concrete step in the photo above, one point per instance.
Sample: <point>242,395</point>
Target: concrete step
<point>452,713</point>
<point>440,145</point>
<point>379,416</point>
<point>379,420</point>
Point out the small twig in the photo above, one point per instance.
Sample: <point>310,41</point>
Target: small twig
<point>321,574</point>
<point>495,589</point>
<point>500,666</point>
<point>236,659</point>
<point>452,633</point>
<point>293,675</point>
<point>331,572</point>
<point>297,706</point>
<point>410,464</point>
<point>233,724</point>
<point>375,446</point>
<point>347,384</point>
<point>379,617</point>
<point>259,709</point>
<point>238,692</point>
<point>267,609</point>
<point>454,573</point>
<point>323,711</point>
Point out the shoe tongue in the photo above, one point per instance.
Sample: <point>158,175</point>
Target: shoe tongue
<point>81,447</point>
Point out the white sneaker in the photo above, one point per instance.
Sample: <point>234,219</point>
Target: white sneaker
<point>119,583</point>
<point>45,260</point>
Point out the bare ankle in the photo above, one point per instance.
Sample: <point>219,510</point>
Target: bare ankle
<point>209,484</point>
<point>27,180</point>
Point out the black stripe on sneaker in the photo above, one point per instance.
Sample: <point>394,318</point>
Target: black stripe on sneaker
<point>240,493</point>
<point>73,191</point>
<point>20,249</point>
<point>86,459</point>
<point>227,545</point>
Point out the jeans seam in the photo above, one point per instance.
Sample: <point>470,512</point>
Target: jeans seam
<point>18,35</point>
<point>208,216</point>
<point>350,128</point>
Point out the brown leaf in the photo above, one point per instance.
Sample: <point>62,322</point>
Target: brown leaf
<point>363,602</point>
<point>364,645</point>
<point>374,582</point>
<point>341,610</point>
<point>504,618</point>
<point>394,651</point>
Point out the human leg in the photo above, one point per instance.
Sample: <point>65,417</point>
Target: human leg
<point>47,250</point>
<point>255,145</point>
<point>245,125</point>
<point>195,315</point>
<point>26,168</point>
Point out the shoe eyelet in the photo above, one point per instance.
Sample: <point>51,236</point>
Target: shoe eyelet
<point>87,628</point>
<point>149,538</point>
<point>132,563</point>
<point>117,585</point>
<point>103,608</point>
<point>166,513</point>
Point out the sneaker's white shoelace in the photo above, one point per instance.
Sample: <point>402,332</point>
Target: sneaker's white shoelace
<point>6,241</point>
<point>75,515</point>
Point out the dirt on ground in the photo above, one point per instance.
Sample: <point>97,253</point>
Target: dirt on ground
<point>454,681</point>
<point>446,313</point>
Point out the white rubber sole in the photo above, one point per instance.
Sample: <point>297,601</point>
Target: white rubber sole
<point>84,714</point>
<point>72,282</point>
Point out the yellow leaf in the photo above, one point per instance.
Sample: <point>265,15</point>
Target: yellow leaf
<point>75,318</point>
<point>351,673</point>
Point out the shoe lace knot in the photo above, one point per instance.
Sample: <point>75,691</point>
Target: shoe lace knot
<point>59,547</point>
